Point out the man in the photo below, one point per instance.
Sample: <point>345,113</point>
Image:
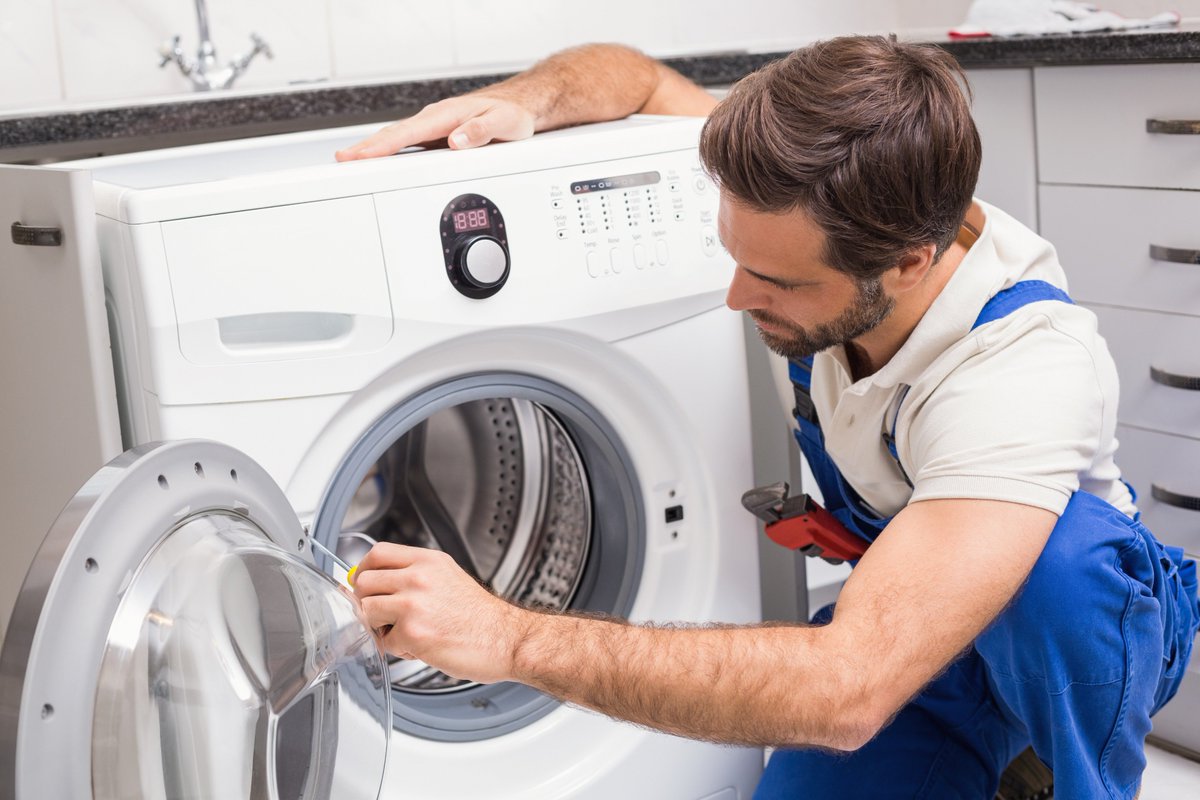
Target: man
<point>958,411</point>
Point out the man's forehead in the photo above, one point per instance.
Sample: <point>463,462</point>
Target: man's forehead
<point>769,235</point>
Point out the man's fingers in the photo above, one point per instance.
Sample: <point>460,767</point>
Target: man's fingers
<point>432,122</point>
<point>385,556</point>
<point>465,122</point>
<point>436,121</point>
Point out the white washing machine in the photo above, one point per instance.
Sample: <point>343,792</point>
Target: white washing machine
<point>518,354</point>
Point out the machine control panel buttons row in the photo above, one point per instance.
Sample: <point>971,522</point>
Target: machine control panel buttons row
<point>644,257</point>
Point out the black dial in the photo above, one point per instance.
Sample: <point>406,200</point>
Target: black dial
<point>475,246</point>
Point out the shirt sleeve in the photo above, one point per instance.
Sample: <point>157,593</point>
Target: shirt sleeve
<point>1019,421</point>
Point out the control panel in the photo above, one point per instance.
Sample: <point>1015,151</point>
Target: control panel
<point>637,221</point>
<point>524,245</point>
<point>474,245</point>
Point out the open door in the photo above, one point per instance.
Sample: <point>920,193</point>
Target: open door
<point>174,638</point>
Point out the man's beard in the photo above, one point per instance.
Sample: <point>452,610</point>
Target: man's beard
<point>869,309</point>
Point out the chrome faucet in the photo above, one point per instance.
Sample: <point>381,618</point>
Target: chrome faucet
<point>203,71</point>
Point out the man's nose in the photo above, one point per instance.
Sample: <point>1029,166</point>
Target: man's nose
<point>743,294</point>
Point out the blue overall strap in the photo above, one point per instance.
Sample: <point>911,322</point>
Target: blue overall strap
<point>1020,294</point>
<point>839,497</point>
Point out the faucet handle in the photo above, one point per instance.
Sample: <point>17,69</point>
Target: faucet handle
<point>261,46</point>
<point>169,51</point>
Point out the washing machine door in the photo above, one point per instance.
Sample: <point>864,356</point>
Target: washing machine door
<point>174,639</point>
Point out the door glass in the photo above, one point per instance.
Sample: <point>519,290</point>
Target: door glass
<point>236,670</point>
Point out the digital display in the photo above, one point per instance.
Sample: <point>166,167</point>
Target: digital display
<point>615,182</point>
<point>470,220</point>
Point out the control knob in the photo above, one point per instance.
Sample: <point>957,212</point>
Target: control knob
<point>482,261</point>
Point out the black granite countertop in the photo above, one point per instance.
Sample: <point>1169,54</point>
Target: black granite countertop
<point>55,135</point>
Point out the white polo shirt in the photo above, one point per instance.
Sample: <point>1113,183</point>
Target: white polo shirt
<point>1021,409</point>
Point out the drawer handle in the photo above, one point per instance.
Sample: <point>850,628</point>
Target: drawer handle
<point>1185,501</point>
<point>1187,127</point>
<point>1175,381</point>
<point>1176,255</point>
<point>36,237</point>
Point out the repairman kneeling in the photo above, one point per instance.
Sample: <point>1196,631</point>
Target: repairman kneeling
<point>958,411</point>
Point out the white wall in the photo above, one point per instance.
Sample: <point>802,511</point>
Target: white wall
<point>69,52</point>
<point>945,14</point>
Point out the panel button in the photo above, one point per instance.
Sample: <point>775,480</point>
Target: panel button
<point>709,241</point>
<point>562,233</point>
<point>701,184</point>
<point>593,264</point>
<point>617,258</point>
<point>639,256</point>
<point>660,249</point>
<point>679,216</point>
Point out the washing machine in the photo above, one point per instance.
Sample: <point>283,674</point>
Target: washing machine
<point>251,357</point>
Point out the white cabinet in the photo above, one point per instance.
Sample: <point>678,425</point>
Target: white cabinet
<point>1118,151</point>
<point>1003,112</point>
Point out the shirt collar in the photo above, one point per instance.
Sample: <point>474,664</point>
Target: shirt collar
<point>947,320</point>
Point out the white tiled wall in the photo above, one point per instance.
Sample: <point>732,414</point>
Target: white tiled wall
<point>66,52</point>
<point>376,38</point>
<point>29,73</point>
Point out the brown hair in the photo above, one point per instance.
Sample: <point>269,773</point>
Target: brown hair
<point>871,137</point>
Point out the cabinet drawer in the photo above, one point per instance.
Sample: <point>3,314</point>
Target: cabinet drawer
<point>1092,125</point>
<point>1105,239</point>
<point>1170,345</point>
<point>1149,459</point>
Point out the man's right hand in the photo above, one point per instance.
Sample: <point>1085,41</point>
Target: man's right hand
<point>468,121</point>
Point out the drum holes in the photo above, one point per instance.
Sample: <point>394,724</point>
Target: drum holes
<point>162,481</point>
<point>300,546</point>
<point>199,469</point>
<point>47,711</point>
<point>90,565</point>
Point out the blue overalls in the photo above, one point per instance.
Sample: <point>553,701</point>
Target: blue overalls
<point>1094,643</point>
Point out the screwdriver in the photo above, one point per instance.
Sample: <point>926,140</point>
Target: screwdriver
<point>349,570</point>
<point>349,575</point>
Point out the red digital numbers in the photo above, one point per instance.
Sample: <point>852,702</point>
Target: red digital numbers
<point>470,220</point>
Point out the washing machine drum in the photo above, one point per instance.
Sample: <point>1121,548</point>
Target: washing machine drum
<point>499,485</point>
<point>527,486</point>
<point>174,639</point>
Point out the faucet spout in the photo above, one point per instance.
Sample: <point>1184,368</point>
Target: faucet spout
<point>203,71</point>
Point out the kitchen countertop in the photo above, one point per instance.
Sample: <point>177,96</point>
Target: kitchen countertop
<point>56,135</point>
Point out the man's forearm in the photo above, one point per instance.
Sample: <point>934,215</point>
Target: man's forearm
<point>598,82</point>
<point>762,685</point>
<point>583,84</point>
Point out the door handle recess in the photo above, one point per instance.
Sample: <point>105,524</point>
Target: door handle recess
<point>1185,127</point>
<point>1184,501</point>
<point>1175,380</point>
<point>34,236</point>
<point>1176,255</point>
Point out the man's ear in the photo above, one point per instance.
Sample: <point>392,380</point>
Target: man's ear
<point>911,269</point>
